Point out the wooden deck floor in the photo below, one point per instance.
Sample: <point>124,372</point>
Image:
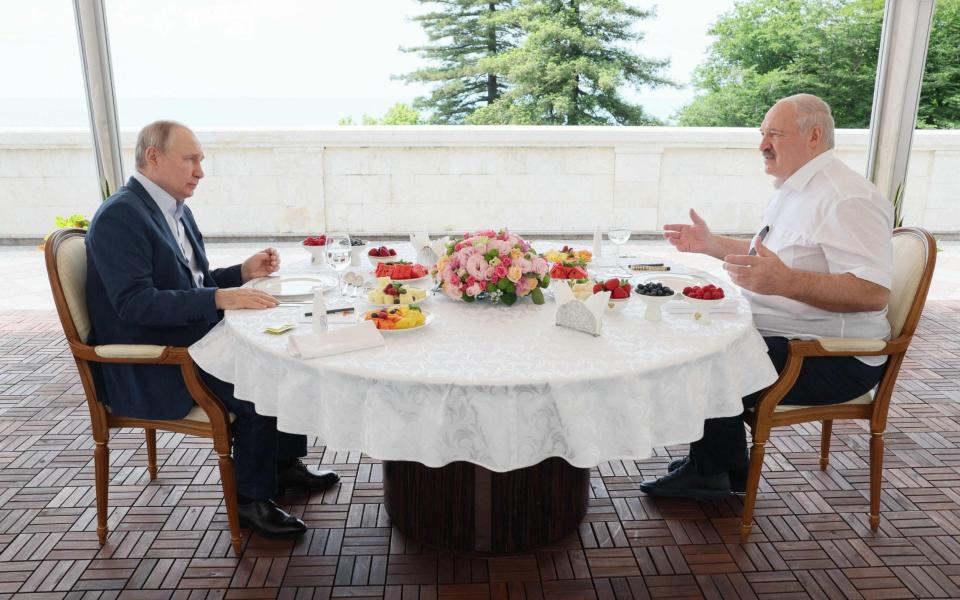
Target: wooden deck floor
<point>169,537</point>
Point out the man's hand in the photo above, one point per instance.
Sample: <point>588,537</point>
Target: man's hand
<point>689,238</point>
<point>231,298</point>
<point>260,264</point>
<point>764,273</point>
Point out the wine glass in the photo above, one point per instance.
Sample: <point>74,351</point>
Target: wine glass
<point>619,231</point>
<point>338,252</point>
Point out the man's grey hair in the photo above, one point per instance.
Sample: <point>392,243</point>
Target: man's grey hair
<point>156,134</point>
<point>813,112</point>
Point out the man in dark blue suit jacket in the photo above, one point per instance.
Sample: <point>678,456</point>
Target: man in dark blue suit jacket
<point>149,282</point>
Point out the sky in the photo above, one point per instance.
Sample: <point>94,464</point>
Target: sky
<point>252,63</point>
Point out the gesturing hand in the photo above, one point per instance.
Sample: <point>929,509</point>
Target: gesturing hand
<point>764,273</point>
<point>230,298</point>
<point>260,264</point>
<point>688,238</point>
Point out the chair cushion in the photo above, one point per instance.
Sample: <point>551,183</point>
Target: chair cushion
<point>72,268</point>
<point>197,414</point>
<point>864,399</point>
<point>909,258</point>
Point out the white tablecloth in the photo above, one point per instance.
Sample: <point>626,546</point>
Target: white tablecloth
<point>502,387</point>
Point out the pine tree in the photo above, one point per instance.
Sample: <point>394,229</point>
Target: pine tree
<point>461,33</point>
<point>572,64</point>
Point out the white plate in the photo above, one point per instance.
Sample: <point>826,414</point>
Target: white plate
<point>430,319</point>
<point>295,287</point>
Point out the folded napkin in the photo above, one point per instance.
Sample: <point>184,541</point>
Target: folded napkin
<point>338,341</point>
<point>682,307</point>
<point>421,240</point>
<point>585,315</point>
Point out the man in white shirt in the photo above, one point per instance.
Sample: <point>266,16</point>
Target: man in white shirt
<point>149,282</point>
<point>820,266</point>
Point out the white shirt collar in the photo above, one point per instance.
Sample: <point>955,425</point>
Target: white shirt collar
<point>165,201</point>
<point>804,174</point>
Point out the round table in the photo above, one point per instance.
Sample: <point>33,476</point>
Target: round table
<point>491,416</point>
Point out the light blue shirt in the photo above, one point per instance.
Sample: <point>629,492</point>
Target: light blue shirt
<point>172,213</point>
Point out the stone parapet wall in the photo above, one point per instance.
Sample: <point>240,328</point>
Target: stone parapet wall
<point>393,180</point>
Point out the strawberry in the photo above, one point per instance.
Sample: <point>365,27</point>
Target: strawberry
<point>611,284</point>
<point>597,288</point>
<point>619,294</point>
<point>627,287</point>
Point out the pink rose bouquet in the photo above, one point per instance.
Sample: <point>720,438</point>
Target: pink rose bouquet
<point>499,266</point>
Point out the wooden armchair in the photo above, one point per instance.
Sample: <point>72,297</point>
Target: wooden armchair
<point>914,257</point>
<point>66,259</point>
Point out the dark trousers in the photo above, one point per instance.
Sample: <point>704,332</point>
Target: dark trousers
<point>257,445</point>
<point>822,380</point>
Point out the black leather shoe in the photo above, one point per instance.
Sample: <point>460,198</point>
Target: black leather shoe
<point>685,482</point>
<point>301,477</point>
<point>269,520</point>
<point>738,479</point>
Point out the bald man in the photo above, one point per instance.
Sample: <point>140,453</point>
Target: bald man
<point>820,266</point>
<point>149,282</point>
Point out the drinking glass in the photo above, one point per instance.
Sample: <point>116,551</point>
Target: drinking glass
<point>338,251</point>
<point>619,231</point>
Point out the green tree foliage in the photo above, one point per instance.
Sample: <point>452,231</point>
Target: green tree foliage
<point>398,114</point>
<point>571,66</point>
<point>940,98</point>
<point>461,33</point>
<point>768,49</point>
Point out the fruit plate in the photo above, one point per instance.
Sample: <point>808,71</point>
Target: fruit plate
<point>417,303</point>
<point>421,282</point>
<point>294,287</point>
<point>429,320</point>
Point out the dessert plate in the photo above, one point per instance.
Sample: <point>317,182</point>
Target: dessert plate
<point>294,287</point>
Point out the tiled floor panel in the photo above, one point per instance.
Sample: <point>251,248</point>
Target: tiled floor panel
<point>168,538</point>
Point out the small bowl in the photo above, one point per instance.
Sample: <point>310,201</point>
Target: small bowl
<point>317,254</point>
<point>357,253</point>
<point>376,260</point>
<point>702,308</point>
<point>654,306</point>
<point>615,306</point>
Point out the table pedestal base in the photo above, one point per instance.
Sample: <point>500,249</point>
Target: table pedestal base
<point>466,508</point>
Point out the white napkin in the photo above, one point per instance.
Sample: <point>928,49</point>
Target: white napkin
<point>421,241</point>
<point>338,341</point>
<point>586,316</point>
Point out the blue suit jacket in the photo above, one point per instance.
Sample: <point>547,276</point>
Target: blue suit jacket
<point>140,291</point>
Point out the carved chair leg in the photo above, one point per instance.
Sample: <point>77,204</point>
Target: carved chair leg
<point>151,452</point>
<point>876,477</point>
<point>753,486</point>
<point>101,463</point>
<point>229,482</point>
<point>826,430</point>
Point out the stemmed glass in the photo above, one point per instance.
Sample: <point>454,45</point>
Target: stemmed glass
<point>619,231</point>
<point>338,251</point>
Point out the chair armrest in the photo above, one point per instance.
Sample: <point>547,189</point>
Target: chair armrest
<point>144,354</point>
<point>852,344</point>
<point>132,351</point>
<point>849,346</point>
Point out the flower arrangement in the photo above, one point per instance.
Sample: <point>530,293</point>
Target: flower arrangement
<point>498,266</point>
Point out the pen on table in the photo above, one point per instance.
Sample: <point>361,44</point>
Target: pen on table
<point>333,311</point>
<point>760,236</point>
<point>649,267</point>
